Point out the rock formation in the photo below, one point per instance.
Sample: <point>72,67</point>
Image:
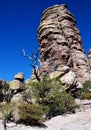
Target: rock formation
<point>61,45</point>
<point>89,58</point>
<point>32,78</point>
<point>17,83</point>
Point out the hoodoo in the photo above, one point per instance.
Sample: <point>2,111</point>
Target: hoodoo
<point>61,49</point>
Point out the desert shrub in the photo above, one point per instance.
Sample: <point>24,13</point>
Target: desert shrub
<point>6,110</point>
<point>27,95</point>
<point>85,92</point>
<point>27,113</point>
<point>87,86</point>
<point>30,114</point>
<point>86,95</point>
<point>50,94</point>
<point>5,92</point>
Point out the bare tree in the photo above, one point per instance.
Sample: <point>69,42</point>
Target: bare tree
<point>34,62</point>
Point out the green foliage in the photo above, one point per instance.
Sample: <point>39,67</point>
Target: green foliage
<point>6,110</point>
<point>87,86</point>
<point>30,113</point>
<point>85,92</point>
<point>51,96</point>
<point>5,92</point>
<point>86,95</point>
<point>27,95</point>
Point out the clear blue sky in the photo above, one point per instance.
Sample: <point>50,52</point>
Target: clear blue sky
<point>19,20</point>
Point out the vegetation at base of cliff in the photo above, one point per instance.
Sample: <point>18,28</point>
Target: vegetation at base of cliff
<point>30,114</point>
<point>51,96</point>
<point>40,100</point>
<point>5,92</point>
<point>6,109</point>
<point>85,92</point>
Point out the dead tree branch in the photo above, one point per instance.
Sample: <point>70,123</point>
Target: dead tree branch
<point>35,61</point>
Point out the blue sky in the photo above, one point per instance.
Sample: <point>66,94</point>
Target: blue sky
<point>19,20</point>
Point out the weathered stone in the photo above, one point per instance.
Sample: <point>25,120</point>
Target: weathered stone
<point>16,84</point>
<point>89,58</point>
<point>59,72</point>
<point>70,79</point>
<point>17,97</point>
<point>19,76</point>
<point>31,79</point>
<point>61,45</point>
<point>15,113</point>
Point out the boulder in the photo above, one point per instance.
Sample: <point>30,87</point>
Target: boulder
<point>17,83</point>
<point>19,76</point>
<point>17,97</point>
<point>70,79</point>
<point>32,78</point>
<point>59,72</point>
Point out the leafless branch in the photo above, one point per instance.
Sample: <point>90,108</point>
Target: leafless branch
<point>35,61</point>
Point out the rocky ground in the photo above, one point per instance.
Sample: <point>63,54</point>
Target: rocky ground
<point>81,120</point>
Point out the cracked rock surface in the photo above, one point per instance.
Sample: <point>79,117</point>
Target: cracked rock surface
<point>61,44</point>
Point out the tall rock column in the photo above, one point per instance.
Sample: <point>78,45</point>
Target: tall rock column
<point>60,43</point>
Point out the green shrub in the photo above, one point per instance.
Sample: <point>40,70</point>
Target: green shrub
<point>86,95</point>
<point>87,86</point>
<point>85,92</point>
<point>30,114</point>
<point>6,109</point>
<point>27,95</point>
<point>5,92</point>
<point>51,96</point>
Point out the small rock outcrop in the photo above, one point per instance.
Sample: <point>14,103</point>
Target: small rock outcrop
<point>32,78</point>
<point>89,58</point>
<point>61,45</point>
<point>17,83</point>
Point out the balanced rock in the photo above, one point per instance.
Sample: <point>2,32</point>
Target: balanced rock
<point>19,76</point>
<point>17,83</point>
<point>61,45</point>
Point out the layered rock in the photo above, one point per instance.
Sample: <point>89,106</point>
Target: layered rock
<point>89,58</point>
<point>61,44</point>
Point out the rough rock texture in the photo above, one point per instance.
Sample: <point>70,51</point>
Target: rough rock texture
<point>89,58</point>
<point>61,44</point>
<point>17,83</point>
<point>32,78</point>
<point>19,76</point>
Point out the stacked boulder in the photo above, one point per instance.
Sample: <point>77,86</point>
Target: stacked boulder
<point>61,51</point>
<point>18,83</point>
